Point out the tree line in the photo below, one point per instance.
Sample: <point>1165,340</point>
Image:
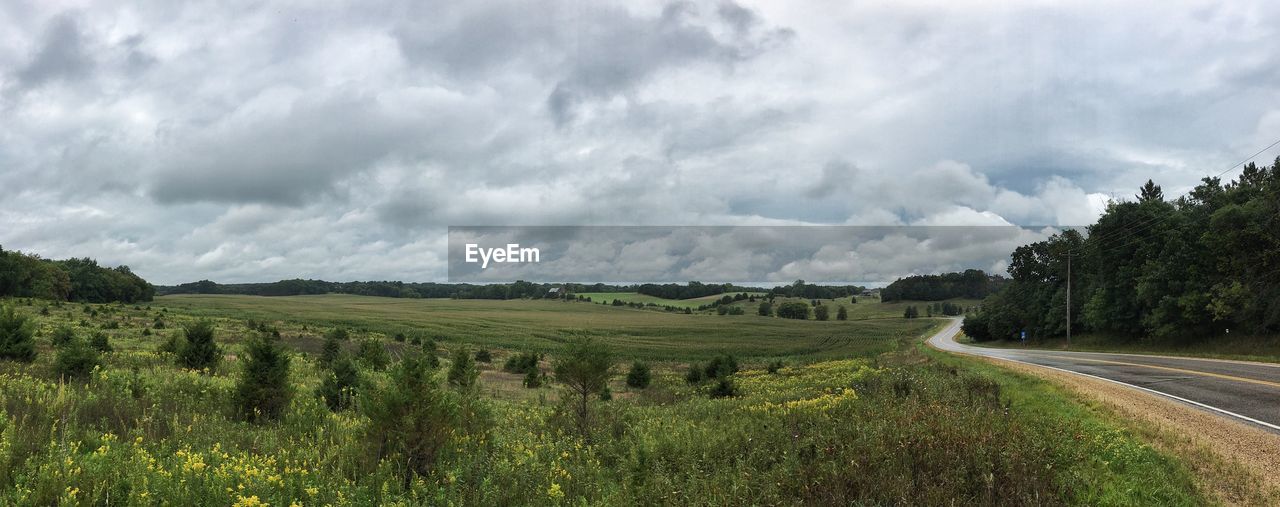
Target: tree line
<point>516,290</point>
<point>972,283</point>
<point>1199,266</point>
<point>28,275</point>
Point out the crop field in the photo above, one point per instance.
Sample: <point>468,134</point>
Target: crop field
<point>548,324</point>
<point>848,413</point>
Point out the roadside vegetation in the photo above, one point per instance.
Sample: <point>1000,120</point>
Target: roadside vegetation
<point>253,416</point>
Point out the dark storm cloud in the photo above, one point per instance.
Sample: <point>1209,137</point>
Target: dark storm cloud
<point>338,140</point>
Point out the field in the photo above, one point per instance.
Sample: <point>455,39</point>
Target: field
<point>635,297</point>
<point>868,420</point>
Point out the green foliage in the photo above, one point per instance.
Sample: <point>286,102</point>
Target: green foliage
<point>821,312</point>
<point>100,342</point>
<point>523,362</point>
<point>400,337</point>
<point>765,309</point>
<point>971,284</point>
<point>774,367</point>
<point>534,378</point>
<point>341,386</point>
<point>262,391</point>
<point>842,313</point>
<point>721,366</point>
<point>724,388</point>
<point>794,310</point>
<point>430,354</point>
<point>911,312</point>
<point>585,369</point>
<point>483,356</point>
<point>62,335</point>
<point>639,375</point>
<point>373,354</point>
<point>462,371</point>
<point>339,334</point>
<point>17,333</point>
<point>75,359</point>
<point>694,374</point>
<point>198,350</point>
<point>330,350</point>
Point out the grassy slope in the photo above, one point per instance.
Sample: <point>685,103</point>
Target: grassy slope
<point>547,325</point>
<point>1241,348</point>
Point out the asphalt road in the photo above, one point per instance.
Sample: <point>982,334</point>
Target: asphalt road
<point>1241,390</point>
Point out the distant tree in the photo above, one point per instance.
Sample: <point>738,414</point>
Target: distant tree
<point>263,392</point>
<point>463,371</point>
<point>910,313</point>
<point>853,300</point>
<point>62,336</point>
<point>341,386</point>
<point>400,337</point>
<point>694,375</point>
<point>639,376</point>
<point>534,378</point>
<point>198,351</point>
<point>723,365</point>
<point>774,367</point>
<point>484,356</point>
<point>821,312</point>
<point>724,388</point>
<point>430,354</point>
<point>100,342</point>
<point>585,369</point>
<point>765,309</point>
<point>523,362</point>
<point>1150,192</point>
<point>793,310</point>
<point>75,359</point>
<point>373,354</point>
<point>338,333</point>
<point>842,313</point>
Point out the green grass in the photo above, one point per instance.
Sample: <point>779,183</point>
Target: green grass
<point>870,420</point>
<point>548,324</point>
<point>1238,347</point>
<point>635,297</point>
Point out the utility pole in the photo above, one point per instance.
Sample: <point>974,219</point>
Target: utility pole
<point>1068,298</point>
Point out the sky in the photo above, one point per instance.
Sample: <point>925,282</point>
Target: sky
<point>256,141</point>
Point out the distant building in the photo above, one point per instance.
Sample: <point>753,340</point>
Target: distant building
<point>554,292</point>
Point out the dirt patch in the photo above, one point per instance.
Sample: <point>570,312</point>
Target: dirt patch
<point>1235,463</point>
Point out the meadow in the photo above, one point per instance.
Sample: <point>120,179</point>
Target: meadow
<point>871,420</point>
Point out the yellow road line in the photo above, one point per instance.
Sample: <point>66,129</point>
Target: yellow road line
<point>1179,370</point>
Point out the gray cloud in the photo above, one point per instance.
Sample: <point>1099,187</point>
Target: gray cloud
<point>62,55</point>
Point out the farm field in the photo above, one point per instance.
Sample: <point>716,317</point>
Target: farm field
<point>635,297</point>
<point>873,420</point>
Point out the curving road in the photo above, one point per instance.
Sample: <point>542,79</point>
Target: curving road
<point>1241,390</point>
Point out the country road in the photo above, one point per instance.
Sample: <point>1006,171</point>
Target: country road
<point>1244,391</point>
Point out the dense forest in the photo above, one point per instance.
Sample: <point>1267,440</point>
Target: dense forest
<point>1199,266</point>
<point>27,275</point>
<point>515,290</point>
<point>972,283</point>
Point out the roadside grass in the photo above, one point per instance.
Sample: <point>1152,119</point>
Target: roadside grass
<point>1237,347</point>
<point>546,325</point>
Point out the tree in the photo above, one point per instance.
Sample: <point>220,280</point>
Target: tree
<point>1150,192</point>
<point>413,421</point>
<point>794,310</point>
<point>484,356</point>
<point>639,376</point>
<point>76,359</point>
<point>765,309</point>
<point>338,333</point>
<point>463,371</point>
<point>585,369</point>
<point>341,386</point>
<point>373,354</point>
<point>198,351</point>
<point>100,342</point>
<point>330,351</point>
<point>821,312</point>
<point>910,313</point>
<point>723,365</point>
<point>842,313</point>
<point>62,336</point>
<point>262,391</point>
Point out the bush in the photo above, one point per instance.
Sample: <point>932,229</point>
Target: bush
<point>910,313</point>
<point>263,391</point>
<point>338,333</point>
<point>198,351</point>
<point>794,310</point>
<point>341,386</point>
<point>330,350</point>
<point>100,342</point>
<point>534,379</point>
<point>62,336</point>
<point>170,345</point>
<point>523,362</point>
<point>765,309</point>
<point>694,375</point>
<point>821,312</point>
<point>463,372</point>
<point>842,313</point>
<point>484,356</point>
<point>399,337</point>
<point>158,323</point>
<point>724,388</point>
<point>430,354</point>
<point>146,331</point>
<point>373,354</point>
<point>416,340</point>
<point>17,334</point>
<point>639,376</point>
<point>75,360</point>
<point>720,366</point>
<point>774,367</point>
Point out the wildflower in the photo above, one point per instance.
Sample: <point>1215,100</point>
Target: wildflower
<point>554,492</point>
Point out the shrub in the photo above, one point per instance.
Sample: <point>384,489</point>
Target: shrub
<point>17,334</point>
<point>373,354</point>
<point>400,337</point>
<point>484,356</point>
<point>720,366</point>
<point>794,310</point>
<point>111,325</point>
<point>463,372</point>
<point>639,376</point>
<point>158,323</point>
<point>146,331</point>
<point>44,311</point>
<point>430,354</point>
<point>338,333</point>
<point>722,310</point>
<point>765,309</point>
<point>62,336</point>
<point>821,312</point>
<point>100,342</point>
<point>842,313</point>
<point>534,379</point>
<point>341,386</point>
<point>416,340</point>
<point>774,367</point>
<point>910,313</point>
<point>198,351</point>
<point>585,368</point>
<point>75,360</point>
<point>263,391</point>
<point>170,345</point>
<point>330,350</point>
<point>724,388</point>
<point>694,375</point>
<point>523,362</point>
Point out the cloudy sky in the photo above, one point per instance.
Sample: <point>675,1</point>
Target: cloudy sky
<point>259,141</point>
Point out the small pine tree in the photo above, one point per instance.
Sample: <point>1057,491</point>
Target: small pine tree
<point>198,351</point>
<point>585,368</point>
<point>340,388</point>
<point>774,367</point>
<point>338,333</point>
<point>820,312</point>
<point>100,342</point>
<point>400,337</point>
<point>724,388</point>
<point>17,334</point>
<point>373,354</point>
<point>430,354</point>
<point>694,375</point>
<point>75,359</point>
<point>330,350</point>
<point>62,336</point>
<point>484,356</point>
<point>463,372</point>
<point>639,376</point>
<point>534,379</point>
<point>263,392</point>
<point>842,313</point>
